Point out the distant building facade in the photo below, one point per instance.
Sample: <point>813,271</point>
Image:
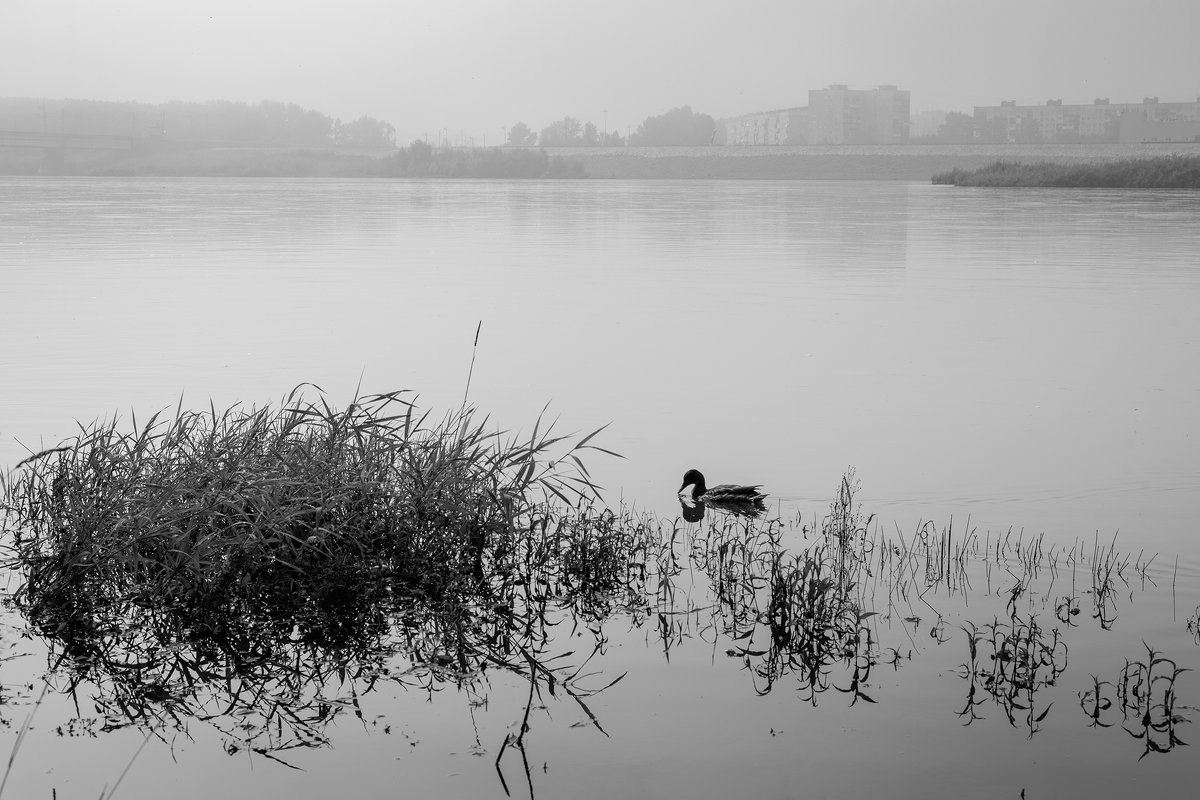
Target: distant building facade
<point>785,126</point>
<point>1148,120</point>
<point>1139,128</point>
<point>840,115</point>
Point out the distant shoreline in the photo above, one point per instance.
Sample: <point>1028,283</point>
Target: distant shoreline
<point>895,162</point>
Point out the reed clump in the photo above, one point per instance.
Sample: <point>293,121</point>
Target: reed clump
<point>1159,172</point>
<point>794,612</point>
<point>295,507</point>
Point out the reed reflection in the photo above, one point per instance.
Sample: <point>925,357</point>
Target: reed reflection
<point>1145,697</point>
<point>1010,662</point>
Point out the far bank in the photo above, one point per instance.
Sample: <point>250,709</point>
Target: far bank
<point>891,162</point>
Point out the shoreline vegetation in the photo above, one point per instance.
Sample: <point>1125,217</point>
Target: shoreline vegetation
<point>418,160</point>
<point>270,139</point>
<point>1163,166</point>
<point>1160,172</point>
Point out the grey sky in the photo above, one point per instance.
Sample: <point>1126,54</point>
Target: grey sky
<point>473,66</point>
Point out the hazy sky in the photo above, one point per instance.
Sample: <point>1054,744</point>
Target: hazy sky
<point>475,66</point>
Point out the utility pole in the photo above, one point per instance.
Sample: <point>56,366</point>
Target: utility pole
<point>605,139</point>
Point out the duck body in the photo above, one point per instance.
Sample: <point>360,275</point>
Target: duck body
<point>730,493</point>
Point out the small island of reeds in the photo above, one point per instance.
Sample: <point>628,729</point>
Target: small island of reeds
<point>1159,172</point>
<point>282,509</point>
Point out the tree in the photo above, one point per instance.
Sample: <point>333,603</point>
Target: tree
<point>1029,132</point>
<point>958,128</point>
<point>566,132</point>
<point>420,151</point>
<point>520,135</point>
<point>994,131</point>
<point>679,126</point>
<point>591,136</point>
<point>366,132</point>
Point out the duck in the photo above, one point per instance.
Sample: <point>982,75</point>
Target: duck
<point>725,493</point>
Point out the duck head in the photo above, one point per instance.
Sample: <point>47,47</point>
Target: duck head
<point>695,479</point>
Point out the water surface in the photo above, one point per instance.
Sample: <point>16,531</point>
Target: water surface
<point>1024,357</point>
<point>1006,359</point>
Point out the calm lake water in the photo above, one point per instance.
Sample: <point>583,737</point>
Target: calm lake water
<point>996,360</point>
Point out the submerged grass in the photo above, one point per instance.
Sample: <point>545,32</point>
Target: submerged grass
<point>1160,172</point>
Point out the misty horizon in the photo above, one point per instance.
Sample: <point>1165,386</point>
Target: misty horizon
<point>478,68</point>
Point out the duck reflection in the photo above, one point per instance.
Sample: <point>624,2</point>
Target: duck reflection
<point>693,510</point>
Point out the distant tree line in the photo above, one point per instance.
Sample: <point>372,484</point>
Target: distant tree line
<point>422,160</point>
<point>679,126</point>
<point>566,132</point>
<point>221,122</point>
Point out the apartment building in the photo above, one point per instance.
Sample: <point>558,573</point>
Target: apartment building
<point>1149,120</point>
<point>840,115</point>
<point>784,126</point>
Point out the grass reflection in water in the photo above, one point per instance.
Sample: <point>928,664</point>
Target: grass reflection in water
<point>262,571</point>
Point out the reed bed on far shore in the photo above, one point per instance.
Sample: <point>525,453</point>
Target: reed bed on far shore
<point>1160,172</point>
